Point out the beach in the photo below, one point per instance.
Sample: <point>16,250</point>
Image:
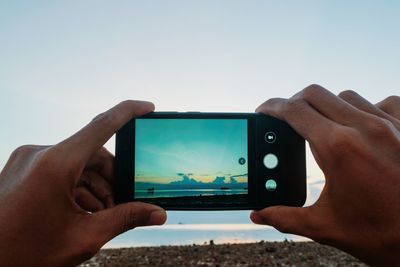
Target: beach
<point>286,253</point>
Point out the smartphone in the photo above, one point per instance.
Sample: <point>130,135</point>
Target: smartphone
<point>210,161</point>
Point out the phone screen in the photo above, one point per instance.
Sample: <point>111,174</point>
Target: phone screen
<point>191,160</point>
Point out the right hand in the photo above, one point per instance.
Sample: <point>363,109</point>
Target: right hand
<point>357,146</point>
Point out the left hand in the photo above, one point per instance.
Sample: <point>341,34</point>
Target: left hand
<point>47,191</point>
<point>93,191</point>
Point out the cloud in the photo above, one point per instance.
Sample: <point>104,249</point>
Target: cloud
<point>219,180</point>
<point>239,175</point>
<point>186,180</point>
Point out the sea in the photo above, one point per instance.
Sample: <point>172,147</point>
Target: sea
<point>187,193</point>
<point>201,227</point>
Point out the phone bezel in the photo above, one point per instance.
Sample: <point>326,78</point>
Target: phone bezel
<point>124,189</point>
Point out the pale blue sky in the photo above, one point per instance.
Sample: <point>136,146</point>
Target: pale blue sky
<point>63,62</point>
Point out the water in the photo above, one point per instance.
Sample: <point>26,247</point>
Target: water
<point>186,192</point>
<point>199,227</point>
<point>176,234</point>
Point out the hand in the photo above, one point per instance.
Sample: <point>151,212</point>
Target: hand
<point>46,193</point>
<point>357,146</point>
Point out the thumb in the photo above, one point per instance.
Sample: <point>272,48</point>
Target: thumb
<point>291,220</point>
<point>121,218</point>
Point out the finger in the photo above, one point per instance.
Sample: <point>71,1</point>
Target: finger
<point>291,220</point>
<point>86,200</point>
<point>391,105</point>
<point>331,106</point>
<point>361,103</point>
<point>82,145</point>
<point>102,162</point>
<point>112,222</point>
<point>99,187</point>
<point>308,122</point>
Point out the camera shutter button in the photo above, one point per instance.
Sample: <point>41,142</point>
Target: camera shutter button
<point>270,161</point>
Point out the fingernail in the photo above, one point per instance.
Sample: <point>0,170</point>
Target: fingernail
<point>157,217</point>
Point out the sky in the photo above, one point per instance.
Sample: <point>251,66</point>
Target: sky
<point>204,149</point>
<point>64,62</point>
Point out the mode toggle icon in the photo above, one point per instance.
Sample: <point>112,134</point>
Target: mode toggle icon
<point>270,185</point>
<point>270,137</point>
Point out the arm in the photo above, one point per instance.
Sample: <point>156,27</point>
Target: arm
<point>357,146</point>
<point>47,191</point>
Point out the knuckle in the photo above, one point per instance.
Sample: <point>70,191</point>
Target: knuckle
<point>311,91</point>
<point>127,103</point>
<point>347,94</point>
<point>23,150</point>
<point>264,105</point>
<point>394,99</point>
<point>379,127</point>
<point>136,105</point>
<point>295,105</point>
<point>272,102</point>
<point>98,116</point>
<point>391,102</point>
